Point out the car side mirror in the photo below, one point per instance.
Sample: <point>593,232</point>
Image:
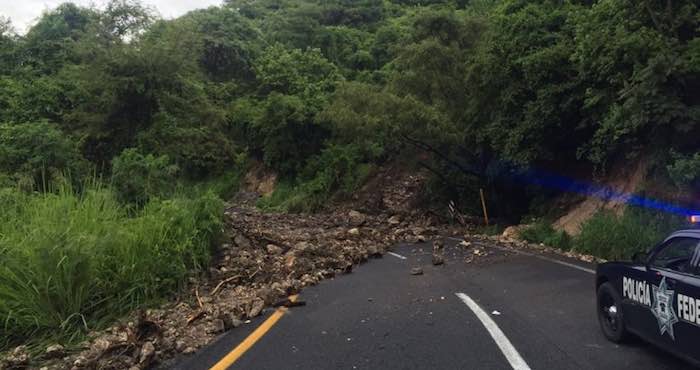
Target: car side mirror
<point>640,258</point>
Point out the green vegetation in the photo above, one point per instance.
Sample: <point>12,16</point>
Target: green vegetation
<point>685,170</point>
<point>71,262</point>
<point>137,177</point>
<point>337,170</point>
<point>322,92</point>
<point>609,236</point>
<point>543,232</point>
<point>35,154</point>
<point>480,89</point>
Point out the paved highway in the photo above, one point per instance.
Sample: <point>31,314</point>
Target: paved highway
<point>504,311</point>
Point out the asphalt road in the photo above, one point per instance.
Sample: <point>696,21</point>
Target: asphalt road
<point>382,317</point>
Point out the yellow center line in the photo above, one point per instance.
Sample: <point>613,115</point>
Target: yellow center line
<point>250,341</point>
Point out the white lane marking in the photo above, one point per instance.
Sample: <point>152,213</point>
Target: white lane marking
<point>567,264</point>
<point>516,361</point>
<point>558,262</point>
<point>396,255</point>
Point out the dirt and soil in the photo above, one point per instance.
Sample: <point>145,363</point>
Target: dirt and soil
<point>623,181</point>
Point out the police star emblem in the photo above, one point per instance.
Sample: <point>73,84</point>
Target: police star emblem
<point>663,308</point>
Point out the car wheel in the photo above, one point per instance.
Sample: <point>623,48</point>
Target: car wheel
<point>610,313</point>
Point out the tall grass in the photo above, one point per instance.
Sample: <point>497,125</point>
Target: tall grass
<point>72,262</point>
<point>609,236</point>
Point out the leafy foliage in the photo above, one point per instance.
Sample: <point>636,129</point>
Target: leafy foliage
<point>36,153</point>
<point>137,177</point>
<point>685,170</point>
<point>296,72</point>
<point>337,170</point>
<point>483,86</point>
<point>633,56</point>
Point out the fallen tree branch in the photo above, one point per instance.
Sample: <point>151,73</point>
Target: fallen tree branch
<point>199,300</point>
<point>222,282</point>
<point>195,317</point>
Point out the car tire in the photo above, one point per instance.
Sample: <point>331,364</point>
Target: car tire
<point>610,315</point>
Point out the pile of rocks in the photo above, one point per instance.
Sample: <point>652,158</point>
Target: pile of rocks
<point>265,257</point>
<point>389,190</point>
<point>290,251</point>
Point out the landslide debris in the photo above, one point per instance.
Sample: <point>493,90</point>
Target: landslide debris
<point>262,260</point>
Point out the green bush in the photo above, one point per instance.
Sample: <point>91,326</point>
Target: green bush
<point>543,232</point>
<point>137,177</point>
<point>226,185</point>
<point>611,237</point>
<point>684,170</point>
<point>37,153</point>
<point>198,150</point>
<point>286,133</point>
<point>73,262</point>
<point>338,170</point>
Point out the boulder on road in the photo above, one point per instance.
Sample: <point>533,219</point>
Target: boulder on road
<point>148,352</point>
<point>273,249</point>
<point>356,218</point>
<point>513,232</point>
<point>256,308</point>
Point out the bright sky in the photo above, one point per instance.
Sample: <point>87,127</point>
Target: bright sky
<point>25,12</point>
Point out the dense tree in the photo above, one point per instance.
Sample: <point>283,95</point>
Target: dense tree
<point>8,44</point>
<point>529,97</point>
<point>230,43</point>
<point>636,60</point>
<point>322,90</point>
<point>36,153</point>
<point>50,43</point>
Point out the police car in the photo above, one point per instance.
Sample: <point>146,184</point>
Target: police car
<point>656,296</point>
